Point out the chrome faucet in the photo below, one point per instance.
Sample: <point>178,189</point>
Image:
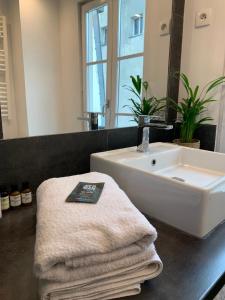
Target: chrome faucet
<point>144,123</point>
<point>92,120</point>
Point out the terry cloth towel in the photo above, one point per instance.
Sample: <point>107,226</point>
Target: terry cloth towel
<point>81,248</point>
<point>120,283</point>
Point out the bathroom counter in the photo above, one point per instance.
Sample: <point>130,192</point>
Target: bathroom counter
<point>193,269</point>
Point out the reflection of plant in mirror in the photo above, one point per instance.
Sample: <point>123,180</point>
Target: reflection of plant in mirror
<point>192,108</point>
<point>144,104</point>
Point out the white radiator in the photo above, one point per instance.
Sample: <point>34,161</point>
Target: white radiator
<point>4,69</point>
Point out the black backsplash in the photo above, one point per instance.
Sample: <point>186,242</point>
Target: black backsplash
<point>206,134</point>
<point>35,159</point>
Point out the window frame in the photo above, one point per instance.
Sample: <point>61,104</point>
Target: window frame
<point>112,59</point>
<point>86,8</point>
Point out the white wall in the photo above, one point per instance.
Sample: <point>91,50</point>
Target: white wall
<point>203,50</point>
<point>71,91</point>
<point>52,63</point>
<point>157,46</point>
<point>41,54</point>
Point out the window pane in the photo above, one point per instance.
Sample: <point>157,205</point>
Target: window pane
<point>96,88</point>
<point>104,36</point>
<point>126,68</point>
<point>96,31</point>
<point>136,26</point>
<point>131,27</point>
<point>125,121</point>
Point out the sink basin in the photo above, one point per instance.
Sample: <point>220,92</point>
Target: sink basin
<point>180,186</point>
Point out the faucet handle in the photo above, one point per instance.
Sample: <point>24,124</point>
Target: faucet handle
<point>92,120</point>
<point>143,120</point>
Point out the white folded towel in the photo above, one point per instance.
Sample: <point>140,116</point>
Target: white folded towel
<point>120,283</point>
<point>79,243</point>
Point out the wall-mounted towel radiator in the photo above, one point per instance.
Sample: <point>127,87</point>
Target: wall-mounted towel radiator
<point>4,69</point>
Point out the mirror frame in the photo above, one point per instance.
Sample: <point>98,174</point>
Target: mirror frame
<point>176,36</point>
<point>175,52</point>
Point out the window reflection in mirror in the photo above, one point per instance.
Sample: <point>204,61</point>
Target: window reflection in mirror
<point>62,59</point>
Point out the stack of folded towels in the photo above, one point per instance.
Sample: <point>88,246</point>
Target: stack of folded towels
<point>91,251</point>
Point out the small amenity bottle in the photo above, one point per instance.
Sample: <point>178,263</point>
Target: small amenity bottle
<point>15,197</point>
<point>4,195</point>
<point>26,194</point>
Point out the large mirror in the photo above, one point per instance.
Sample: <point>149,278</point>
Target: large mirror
<point>61,60</point>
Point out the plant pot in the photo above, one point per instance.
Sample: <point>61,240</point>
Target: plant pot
<point>194,144</point>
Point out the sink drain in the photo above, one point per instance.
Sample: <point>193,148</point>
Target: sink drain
<point>178,179</point>
<point>153,162</point>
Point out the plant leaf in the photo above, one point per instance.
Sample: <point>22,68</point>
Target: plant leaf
<point>215,83</point>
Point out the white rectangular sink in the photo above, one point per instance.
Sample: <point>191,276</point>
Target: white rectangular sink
<point>180,186</point>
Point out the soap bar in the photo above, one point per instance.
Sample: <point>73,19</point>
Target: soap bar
<point>86,192</point>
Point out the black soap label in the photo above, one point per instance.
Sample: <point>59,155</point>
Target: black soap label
<point>86,192</point>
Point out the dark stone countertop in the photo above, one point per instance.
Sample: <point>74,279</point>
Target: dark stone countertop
<point>193,269</point>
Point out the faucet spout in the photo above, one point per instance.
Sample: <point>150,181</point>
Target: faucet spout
<point>144,124</point>
<point>144,146</point>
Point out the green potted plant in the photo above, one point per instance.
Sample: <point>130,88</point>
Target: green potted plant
<point>143,103</point>
<point>192,109</point>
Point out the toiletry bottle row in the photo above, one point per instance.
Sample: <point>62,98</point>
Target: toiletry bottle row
<point>15,198</point>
